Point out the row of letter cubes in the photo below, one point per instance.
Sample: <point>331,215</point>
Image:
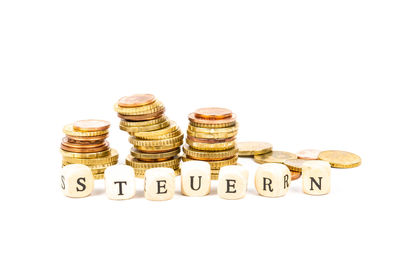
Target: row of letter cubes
<point>271,180</point>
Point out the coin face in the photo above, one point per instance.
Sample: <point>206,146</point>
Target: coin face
<point>253,148</point>
<point>213,113</point>
<point>136,100</point>
<point>340,159</point>
<point>308,154</point>
<point>199,121</point>
<point>295,165</point>
<point>274,157</point>
<point>91,125</point>
<point>295,175</point>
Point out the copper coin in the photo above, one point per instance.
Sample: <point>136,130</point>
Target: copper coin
<point>213,113</point>
<point>192,117</point>
<point>77,145</point>
<point>88,138</point>
<point>308,154</point>
<point>91,125</point>
<point>150,116</point>
<point>79,142</point>
<point>295,175</point>
<point>85,150</point>
<point>211,141</point>
<point>136,100</point>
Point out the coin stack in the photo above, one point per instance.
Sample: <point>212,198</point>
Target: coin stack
<point>211,137</point>
<point>156,140</point>
<point>85,143</point>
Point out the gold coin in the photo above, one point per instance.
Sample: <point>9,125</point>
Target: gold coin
<point>69,130</point>
<point>91,125</point>
<point>98,176</point>
<point>211,147</point>
<point>113,156</point>
<point>216,164</point>
<point>168,141</point>
<point>213,130</point>
<point>143,110</point>
<point>211,135</point>
<point>274,157</point>
<point>213,113</point>
<point>154,127</point>
<point>219,125</point>
<point>95,167</point>
<point>253,148</point>
<point>159,149</point>
<point>165,136</point>
<point>340,159</point>
<point>153,156</point>
<point>295,165</point>
<point>154,134</point>
<point>135,163</point>
<point>143,123</point>
<point>136,100</point>
<point>139,173</point>
<point>100,154</point>
<point>207,155</point>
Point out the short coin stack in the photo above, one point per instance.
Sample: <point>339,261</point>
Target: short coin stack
<point>156,140</point>
<point>85,143</point>
<point>211,136</point>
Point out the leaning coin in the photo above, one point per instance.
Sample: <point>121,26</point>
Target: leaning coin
<point>295,165</point>
<point>274,157</point>
<point>340,159</point>
<point>308,154</point>
<point>253,148</point>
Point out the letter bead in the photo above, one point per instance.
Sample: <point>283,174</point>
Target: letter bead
<point>272,180</point>
<point>77,180</point>
<point>159,184</point>
<point>316,177</point>
<point>120,182</point>
<point>232,182</point>
<point>195,178</point>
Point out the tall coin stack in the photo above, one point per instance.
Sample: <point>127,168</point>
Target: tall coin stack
<point>85,143</point>
<point>211,137</point>
<point>156,140</point>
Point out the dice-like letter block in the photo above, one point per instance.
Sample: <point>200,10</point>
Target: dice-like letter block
<point>159,184</point>
<point>316,177</point>
<point>195,178</point>
<point>77,180</point>
<point>232,182</point>
<point>272,180</point>
<point>120,182</point>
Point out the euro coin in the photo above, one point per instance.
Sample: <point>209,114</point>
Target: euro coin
<point>295,165</point>
<point>274,157</point>
<point>153,108</point>
<point>93,155</point>
<point>148,128</point>
<point>213,125</point>
<point>143,123</point>
<point>150,116</point>
<point>136,100</point>
<point>210,140</point>
<point>216,164</point>
<point>231,129</point>
<point>65,142</point>
<point>213,113</point>
<point>210,147</point>
<point>311,154</point>
<point>295,175</point>
<point>340,159</point>
<point>85,150</point>
<point>207,155</point>
<point>253,148</point>
<point>211,135</point>
<point>91,125</point>
<point>112,157</point>
<point>69,130</point>
<point>154,156</point>
<point>168,141</point>
<point>192,118</point>
<point>157,133</point>
<point>135,163</point>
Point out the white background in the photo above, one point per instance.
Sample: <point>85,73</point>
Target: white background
<point>298,74</point>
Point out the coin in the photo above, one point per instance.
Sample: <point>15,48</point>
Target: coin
<point>308,154</point>
<point>69,130</point>
<point>207,155</point>
<point>213,125</point>
<point>113,156</point>
<point>230,129</point>
<point>143,123</point>
<point>274,157</point>
<point>168,141</point>
<point>100,154</point>
<point>213,113</point>
<point>152,108</point>
<point>154,127</point>
<point>340,159</point>
<point>80,145</point>
<point>135,163</point>
<point>88,138</point>
<point>211,135</point>
<point>295,165</point>
<point>73,141</point>
<point>139,172</point>
<point>210,147</point>
<point>192,118</point>
<point>98,176</point>
<point>211,140</point>
<point>161,132</point>
<point>216,164</point>
<point>159,149</point>
<point>91,125</point>
<point>136,100</point>
<point>151,156</point>
<point>85,150</point>
<point>253,148</point>
<point>150,116</point>
<point>295,175</point>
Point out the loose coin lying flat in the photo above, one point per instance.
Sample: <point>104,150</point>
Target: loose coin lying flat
<point>308,154</point>
<point>91,125</point>
<point>274,157</point>
<point>295,165</point>
<point>253,148</point>
<point>136,100</point>
<point>213,113</point>
<point>340,159</point>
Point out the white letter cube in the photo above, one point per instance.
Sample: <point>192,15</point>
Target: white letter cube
<point>232,182</point>
<point>272,180</point>
<point>77,180</point>
<point>159,184</point>
<point>316,177</point>
<point>120,182</point>
<point>195,178</point>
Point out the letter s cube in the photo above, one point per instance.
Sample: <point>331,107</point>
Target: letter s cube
<point>77,180</point>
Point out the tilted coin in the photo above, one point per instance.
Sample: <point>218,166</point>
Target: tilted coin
<point>253,148</point>
<point>295,175</point>
<point>69,130</point>
<point>213,113</point>
<point>135,163</point>
<point>154,127</point>
<point>161,132</point>
<point>207,155</point>
<point>308,154</point>
<point>216,164</point>
<point>144,110</point>
<point>143,123</point>
<point>93,155</point>
<point>211,147</point>
<point>213,125</point>
<point>211,135</point>
<point>295,165</point>
<point>150,156</point>
<point>150,116</point>
<point>164,136</point>
<point>136,100</point>
<point>274,157</point>
<point>192,118</point>
<point>82,145</point>
<point>85,150</point>
<point>112,157</point>
<point>91,125</point>
<point>340,159</point>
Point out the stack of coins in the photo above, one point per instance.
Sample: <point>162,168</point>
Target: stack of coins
<point>156,140</point>
<point>211,136</point>
<point>85,143</point>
